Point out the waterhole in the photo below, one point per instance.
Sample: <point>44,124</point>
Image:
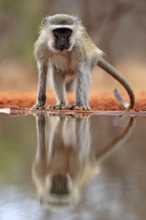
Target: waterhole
<point>80,167</point>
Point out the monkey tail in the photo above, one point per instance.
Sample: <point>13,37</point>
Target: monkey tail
<point>115,74</point>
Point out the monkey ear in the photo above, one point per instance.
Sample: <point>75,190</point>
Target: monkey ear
<point>44,21</point>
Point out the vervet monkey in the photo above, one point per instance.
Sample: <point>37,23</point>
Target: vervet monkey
<point>65,50</point>
<point>60,156</point>
<point>66,158</point>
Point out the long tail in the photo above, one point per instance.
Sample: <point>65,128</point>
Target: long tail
<point>115,74</point>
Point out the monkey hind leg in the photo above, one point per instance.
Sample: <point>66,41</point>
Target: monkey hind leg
<point>58,85</point>
<point>82,89</point>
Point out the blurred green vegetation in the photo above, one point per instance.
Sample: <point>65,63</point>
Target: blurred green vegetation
<point>118,21</point>
<point>118,29</point>
<point>17,146</point>
<point>18,27</point>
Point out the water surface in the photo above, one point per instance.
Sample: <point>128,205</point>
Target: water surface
<point>66,167</point>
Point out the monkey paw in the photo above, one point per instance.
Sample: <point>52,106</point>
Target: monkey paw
<point>38,107</point>
<point>56,107</point>
<point>82,108</point>
<point>79,108</point>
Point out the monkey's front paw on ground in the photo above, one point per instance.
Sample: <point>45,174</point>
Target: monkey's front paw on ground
<point>56,107</point>
<point>38,107</point>
<point>80,108</point>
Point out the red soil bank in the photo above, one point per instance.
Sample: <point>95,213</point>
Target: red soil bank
<point>104,102</point>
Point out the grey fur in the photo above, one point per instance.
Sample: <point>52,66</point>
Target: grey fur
<point>73,64</point>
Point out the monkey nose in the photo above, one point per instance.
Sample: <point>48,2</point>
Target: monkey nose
<point>61,47</point>
<point>59,185</point>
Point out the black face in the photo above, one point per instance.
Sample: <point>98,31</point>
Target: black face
<point>62,38</point>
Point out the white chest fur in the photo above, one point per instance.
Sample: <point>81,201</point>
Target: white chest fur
<point>63,61</point>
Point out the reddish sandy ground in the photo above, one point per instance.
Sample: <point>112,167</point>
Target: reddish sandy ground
<point>104,102</point>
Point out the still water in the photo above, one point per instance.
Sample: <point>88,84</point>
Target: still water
<point>72,168</point>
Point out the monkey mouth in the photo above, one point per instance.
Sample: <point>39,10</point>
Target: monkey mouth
<point>62,48</point>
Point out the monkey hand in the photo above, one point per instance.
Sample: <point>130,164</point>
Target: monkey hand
<point>56,107</point>
<point>38,107</point>
<point>79,108</point>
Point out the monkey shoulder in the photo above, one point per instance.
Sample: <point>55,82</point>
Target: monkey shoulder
<point>91,52</point>
<point>41,51</point>
<point>88,43</point>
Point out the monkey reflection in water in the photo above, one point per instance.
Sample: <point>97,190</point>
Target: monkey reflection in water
<point>64,160</point>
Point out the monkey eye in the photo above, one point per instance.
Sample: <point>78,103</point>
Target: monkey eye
<point>55,32</point>
<point>68,32</point>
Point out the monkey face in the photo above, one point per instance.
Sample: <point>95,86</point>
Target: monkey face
<point>57,179</point>
<point>62,38</point>
<point>57,191</point>
<point>60,193</point>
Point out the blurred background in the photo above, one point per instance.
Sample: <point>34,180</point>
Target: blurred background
<point>118,27</point>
